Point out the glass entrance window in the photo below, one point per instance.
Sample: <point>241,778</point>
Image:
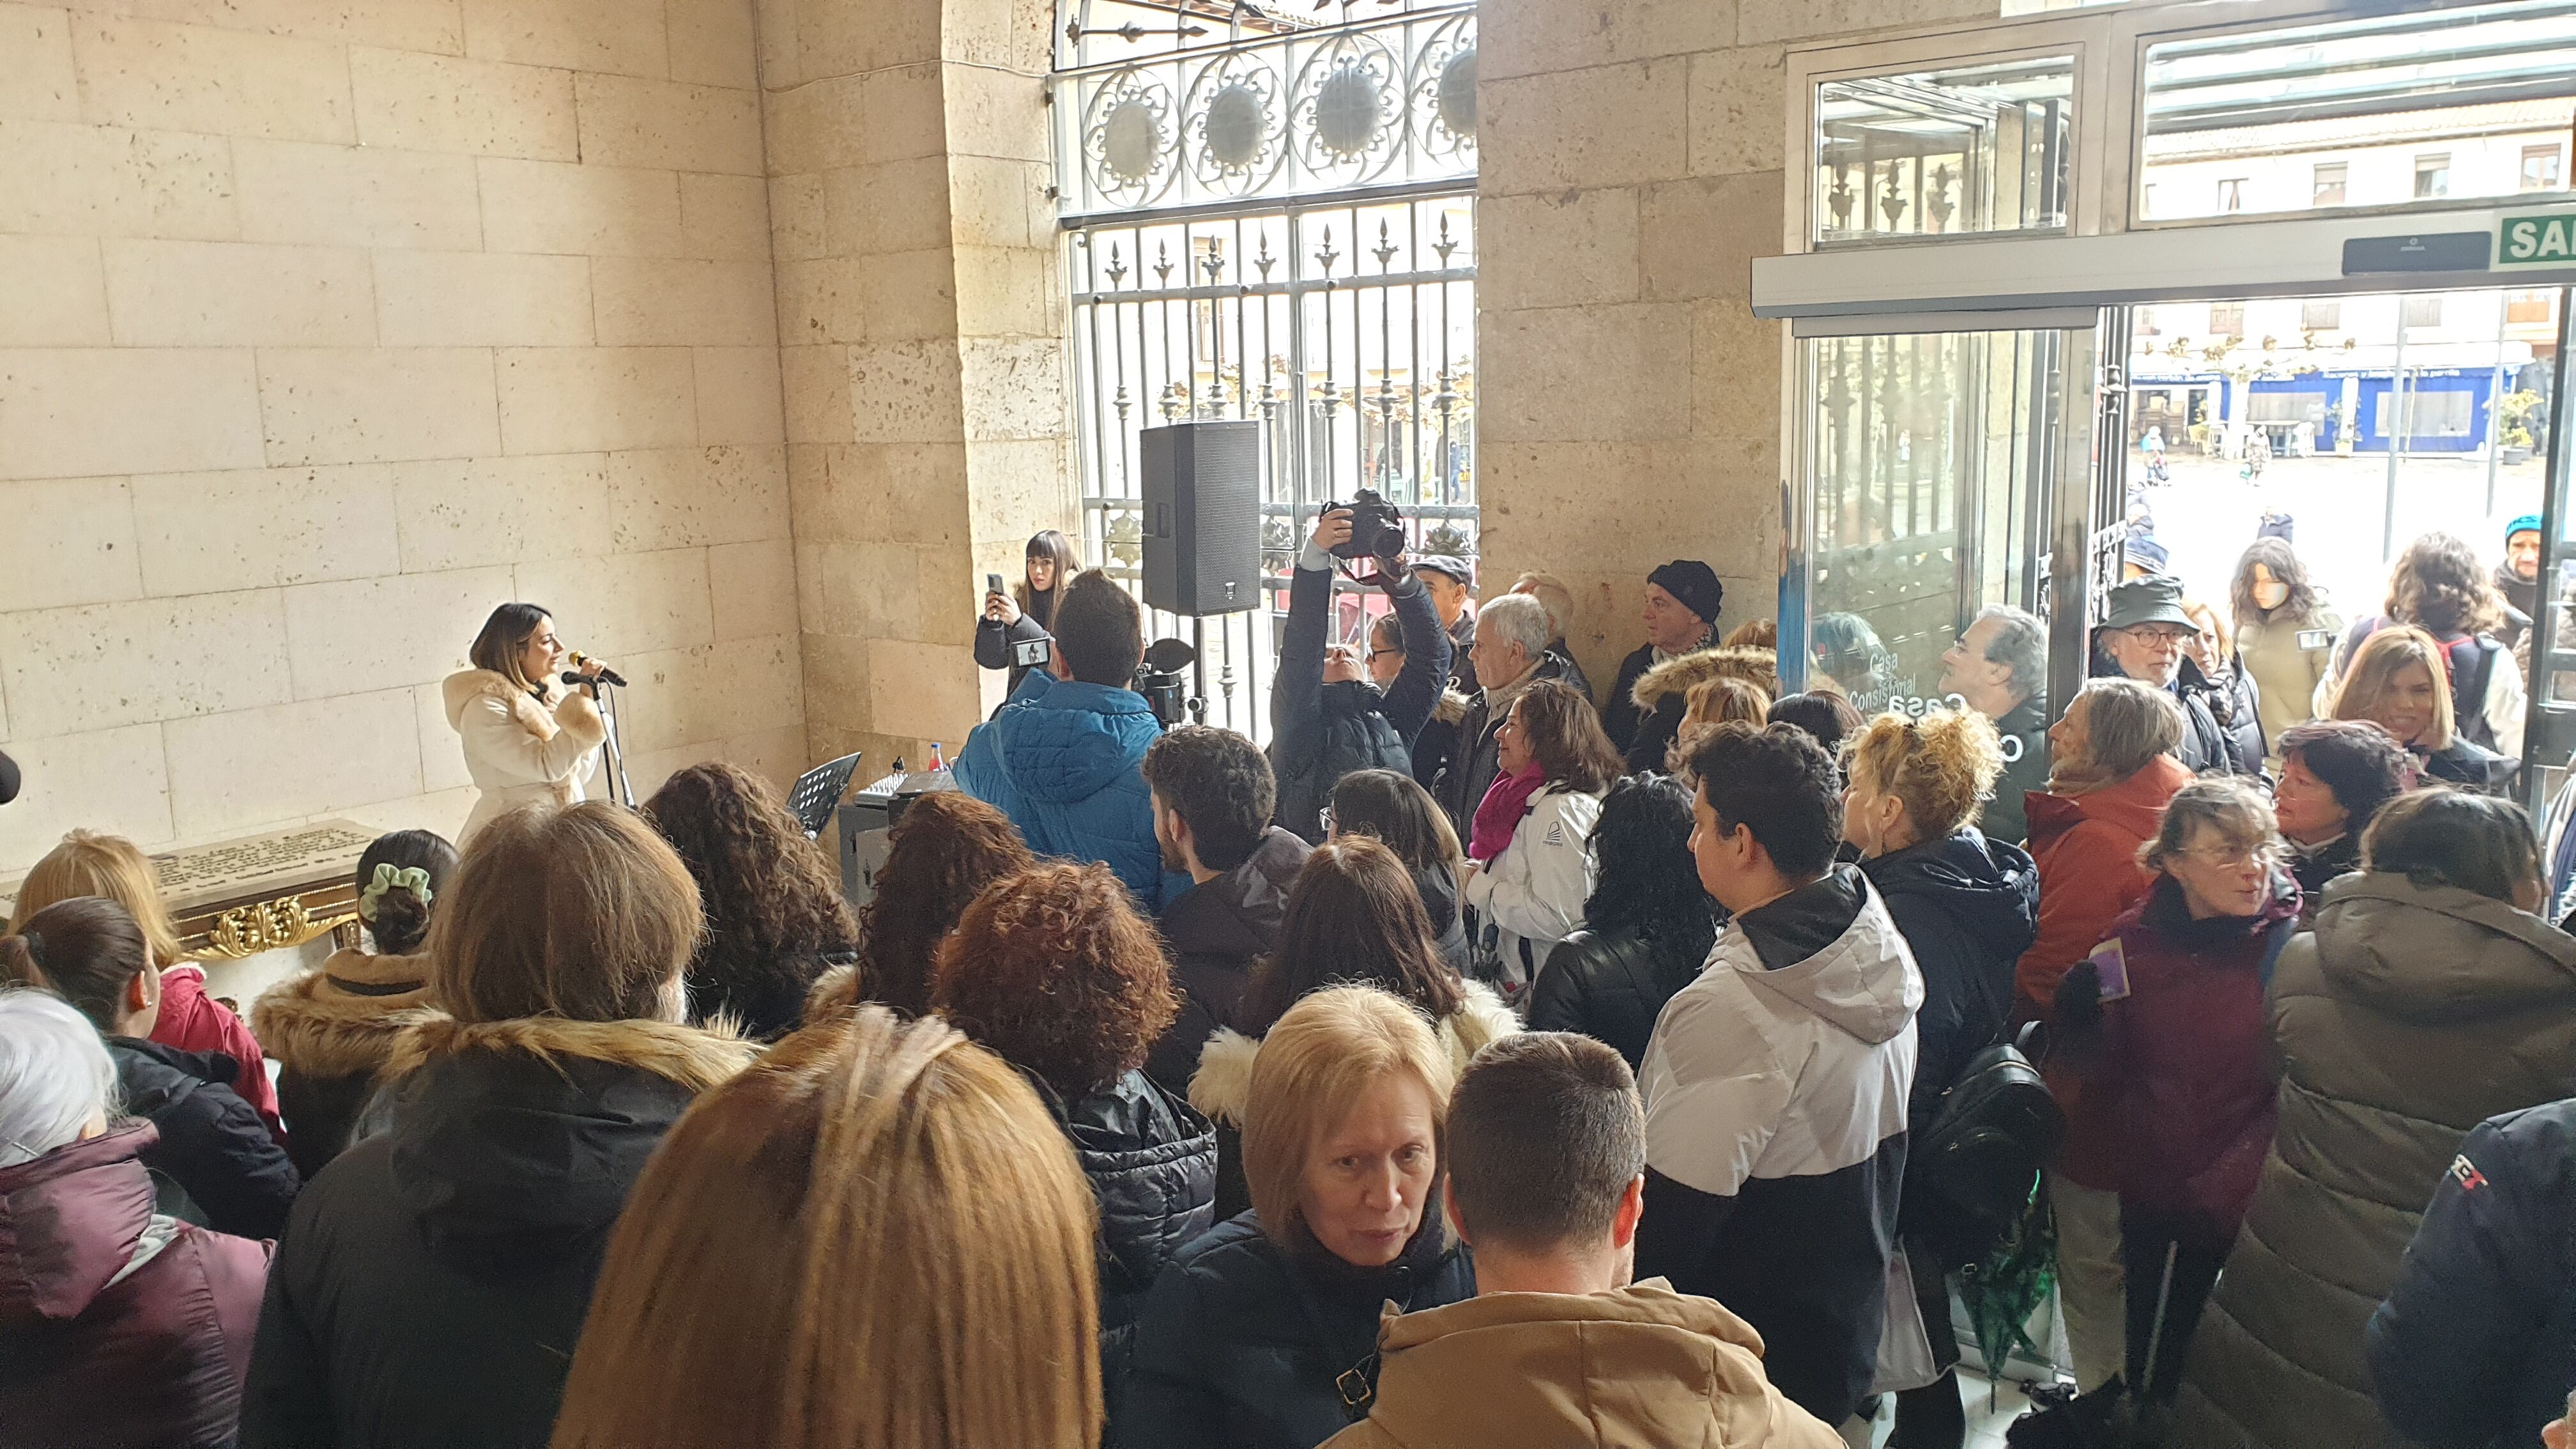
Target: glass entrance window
<point>2335,114</point>
<point>1974,149</point>
<point>2346,423</point>
<point>1934,464</point>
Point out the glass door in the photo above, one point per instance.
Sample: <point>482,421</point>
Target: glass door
<point>2543,424</point>
<point>1938,468</point>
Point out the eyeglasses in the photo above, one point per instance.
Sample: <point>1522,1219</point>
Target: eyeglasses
<point>1374,653</point>
<point>2233,857</point>
<point>2164,638</point>
<point>1328,820</point>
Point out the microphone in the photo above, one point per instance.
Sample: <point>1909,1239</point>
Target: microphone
<point>583,662</point>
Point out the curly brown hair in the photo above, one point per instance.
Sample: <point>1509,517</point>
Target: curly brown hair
<point>2438,586</point>
<point>947,847</point>
<point>772,896</point>
<point>1053,969</point>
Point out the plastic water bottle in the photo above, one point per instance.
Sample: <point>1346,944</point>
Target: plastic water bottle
<point>938,765</point>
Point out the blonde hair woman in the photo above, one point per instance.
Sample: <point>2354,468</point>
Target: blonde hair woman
<point>528,739</point>
<point>2397,681</point>
<point>1968,907</point>
<point>875,1237</point>
<point>115,868</point>
<point>431,1285</point>
<point>1264,1331</point>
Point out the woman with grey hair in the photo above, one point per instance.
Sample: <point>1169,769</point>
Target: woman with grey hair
<point>2164,1027</point>
<point>2112,771</point>
<point>117,1325</point>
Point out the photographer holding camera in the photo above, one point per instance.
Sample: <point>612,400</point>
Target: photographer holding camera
<point>1328,714</point>
<point>1061,758</point>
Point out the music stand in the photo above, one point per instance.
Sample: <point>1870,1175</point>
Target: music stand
<point>818,790</point>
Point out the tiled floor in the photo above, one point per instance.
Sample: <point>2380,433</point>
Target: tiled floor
<point>1987,1419</point>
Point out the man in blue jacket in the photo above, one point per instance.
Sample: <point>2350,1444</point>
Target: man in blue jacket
<point>1061,757</point>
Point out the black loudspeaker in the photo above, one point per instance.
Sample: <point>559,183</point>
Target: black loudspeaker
<point>1202,517</point>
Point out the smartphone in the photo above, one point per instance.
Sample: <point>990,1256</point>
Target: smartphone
<point>1033,653</point>
<point>2316,638</point>
<point>992,583</point>
<point>2112,964</point>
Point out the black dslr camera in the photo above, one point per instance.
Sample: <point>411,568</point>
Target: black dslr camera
<point>1377,528</point>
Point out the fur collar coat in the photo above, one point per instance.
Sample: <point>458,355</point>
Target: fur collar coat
<point>522,747</point>
<point>344,1018</point>
<point>1223,1086</point>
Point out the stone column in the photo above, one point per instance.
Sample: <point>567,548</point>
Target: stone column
<point>1630,403</point>
<point>921,323</point>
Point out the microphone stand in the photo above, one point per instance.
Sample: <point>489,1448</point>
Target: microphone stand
<point>620,791</point>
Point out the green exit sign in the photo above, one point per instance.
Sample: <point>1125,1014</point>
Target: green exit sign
<point>2537,238</point>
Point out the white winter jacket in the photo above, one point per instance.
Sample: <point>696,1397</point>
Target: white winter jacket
<point>1534,891</point>
<point>519,750</point>
<point>1793,1072</point>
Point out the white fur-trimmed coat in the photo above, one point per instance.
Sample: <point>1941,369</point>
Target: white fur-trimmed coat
<point>518,750</point>
<point>1222,1087</point>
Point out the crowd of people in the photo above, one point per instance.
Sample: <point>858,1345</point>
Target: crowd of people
<point>1480,1063</point>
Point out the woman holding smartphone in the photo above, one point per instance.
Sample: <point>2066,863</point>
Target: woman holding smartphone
<point>1027,611</point>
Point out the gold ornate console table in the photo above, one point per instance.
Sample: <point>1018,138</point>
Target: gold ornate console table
<point>270,892</point>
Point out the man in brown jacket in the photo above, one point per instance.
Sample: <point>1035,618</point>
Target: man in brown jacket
<point>1547,1156</point>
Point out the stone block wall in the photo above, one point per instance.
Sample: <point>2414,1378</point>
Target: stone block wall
<point>326,325</point>
<point>921,325</point>
<point>1632,156</point>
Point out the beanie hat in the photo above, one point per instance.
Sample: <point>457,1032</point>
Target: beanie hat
<point>1693,584</point>
<point>2527,523</point>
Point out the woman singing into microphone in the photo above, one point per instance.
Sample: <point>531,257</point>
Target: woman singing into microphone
<point>527,738</point>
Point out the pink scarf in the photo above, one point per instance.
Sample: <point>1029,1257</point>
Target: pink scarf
<point>1506,800</point>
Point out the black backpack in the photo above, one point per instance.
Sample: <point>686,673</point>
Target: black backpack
<point>1970,1175</point>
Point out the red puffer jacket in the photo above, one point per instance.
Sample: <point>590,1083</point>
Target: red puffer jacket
<point>192,1021</point>
<point>117,1327</point>
<point>2181,1092</point>
<point>2087,849</point>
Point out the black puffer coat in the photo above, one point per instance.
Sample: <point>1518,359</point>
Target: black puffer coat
<point>1967,907</point>
<point>1243,1342</point>
<point>1214,931</point>
<point>1612,986</point>
<point>213,1144</point>
<point>1320,732</point>
<point>1152,1165</point>
<point>432,1285</point>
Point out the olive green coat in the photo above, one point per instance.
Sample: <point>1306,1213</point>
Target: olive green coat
<point>2409,1016</point>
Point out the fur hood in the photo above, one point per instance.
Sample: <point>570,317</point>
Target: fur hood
<point>833,992</point>
<point>315,1026</point>
<point>697,1058</point>
<point>1674,677</point>
<point>557,711</point>
<point>1223,1084</point>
